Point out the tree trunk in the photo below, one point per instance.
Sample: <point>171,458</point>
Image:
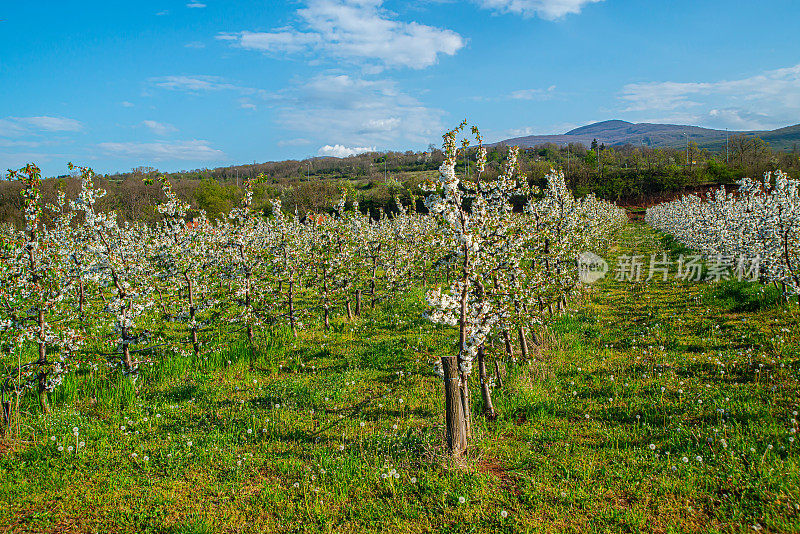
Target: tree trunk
<point>358,302</point>
<point>192,315</point>
<point>454,414</point>
<point>497,373</point>
<point>127,362</point>
<point>325,300</point>
<point>466,405</point>
<point>42,379</point>
<point>81,299</point>
<point>247,305</point>
<point>462,341</point>
<point>42,374</point>
<point>6,417</point>
<point>372,282</point>
<point>507,341</point>
<point>456,399</point>
<point>486,393</point>
<point>292,322</point>
<point>349,311</point>
<point>534,338</point>
<point>523,343</point>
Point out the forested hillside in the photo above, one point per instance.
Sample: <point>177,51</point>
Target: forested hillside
<point>631,175</point>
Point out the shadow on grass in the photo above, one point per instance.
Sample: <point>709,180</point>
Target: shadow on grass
<point>180,393</point>
<point>740,296</point>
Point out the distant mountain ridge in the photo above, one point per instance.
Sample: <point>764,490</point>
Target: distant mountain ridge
<point>618,132</point>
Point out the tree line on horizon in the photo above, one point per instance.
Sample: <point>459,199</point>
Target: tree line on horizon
<point>629,175</point>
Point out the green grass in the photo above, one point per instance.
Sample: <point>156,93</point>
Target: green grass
<point>591,435</point>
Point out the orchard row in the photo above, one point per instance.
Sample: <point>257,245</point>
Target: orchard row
<point>90,281</point>
<point>759,221</point>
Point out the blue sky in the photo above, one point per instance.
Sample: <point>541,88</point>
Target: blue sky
<point>185,85</point>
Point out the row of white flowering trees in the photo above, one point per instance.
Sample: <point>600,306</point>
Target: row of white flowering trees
<point>511,266</point>
<point>760,222</point>
<point>89,277</point>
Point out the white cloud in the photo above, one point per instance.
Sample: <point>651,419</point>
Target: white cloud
<point>126,104</point>
<point>15,160</point>
<point>26,126</point>
<point>545,9</point>
<point>520,94</point>
<point>299,141</point>
<point>533,94</point>
<point>357,112</point>
<point>765,100</point>
<point>192,83</point>
<point>10,128</point>
<point>358,30</point>
<point>195,44</point>
<point>519,132</point>
<point>341,151</point>
<point>661,95</point>
<point>51,124</point>
<point>161,150</point>
<point>159,128</point>
<point>381,125</point>
<point>195,5</point>
<point>203,84</point>
<point>22,144</point>
<point>289,41</point>
<point>246,103</point>
<point>741,119</point>
<point>162,13</point>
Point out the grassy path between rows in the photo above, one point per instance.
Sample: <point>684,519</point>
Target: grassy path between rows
<point>650,407</point>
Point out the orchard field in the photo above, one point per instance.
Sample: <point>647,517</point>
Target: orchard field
<point>442,372</point>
